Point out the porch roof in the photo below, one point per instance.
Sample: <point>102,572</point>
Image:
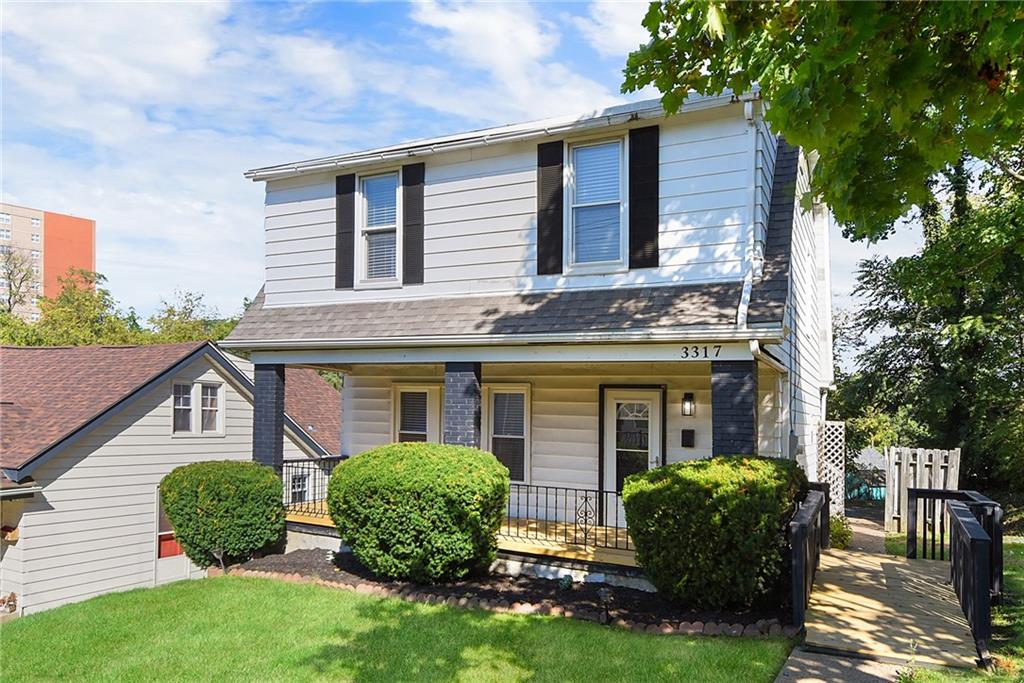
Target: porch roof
<point>566,312</point>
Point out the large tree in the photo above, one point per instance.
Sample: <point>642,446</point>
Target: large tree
<point>887,93</point>
<point>18,274</point>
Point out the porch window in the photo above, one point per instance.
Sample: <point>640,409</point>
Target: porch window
<point>182,407</point>
<point>597,233</point>
<point>299,488</point>
<point>412,416</point>
<point>509,429</point>
<point>380,227</point>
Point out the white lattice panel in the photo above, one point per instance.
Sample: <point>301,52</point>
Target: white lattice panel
<point>832,463</point>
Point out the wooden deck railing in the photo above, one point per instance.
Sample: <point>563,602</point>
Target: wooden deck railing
<point>969,552</point>
<point>808,536</point>
<point>927,513</point>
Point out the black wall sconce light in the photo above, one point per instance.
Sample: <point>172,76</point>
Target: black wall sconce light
<point>689,405</point>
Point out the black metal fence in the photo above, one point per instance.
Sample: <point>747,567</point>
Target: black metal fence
<point>808,536</point>
<point>572,516</point>
<point>305,484</point>
<point>969,552</point>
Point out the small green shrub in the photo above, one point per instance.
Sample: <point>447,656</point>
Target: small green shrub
<point>711,533</point>
<point>231,508</point>
<point>840,532</point>
<point>421,511</point>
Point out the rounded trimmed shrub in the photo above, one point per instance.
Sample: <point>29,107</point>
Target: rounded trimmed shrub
<point>223,507</point>
<point>711,533</point>
<point>421,511</point>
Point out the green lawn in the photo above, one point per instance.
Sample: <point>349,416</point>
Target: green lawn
<point>233,628</point>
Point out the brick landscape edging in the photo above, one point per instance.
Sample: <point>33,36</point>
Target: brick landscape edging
<point>762,629</point>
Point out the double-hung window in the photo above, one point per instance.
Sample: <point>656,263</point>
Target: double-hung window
<point>418,413</point>
<point>508,428</point>
<point>182,408</point>
<point>211,407</point>
<point>597,234</point>
<point>379,228</point>
<point>197,409</point>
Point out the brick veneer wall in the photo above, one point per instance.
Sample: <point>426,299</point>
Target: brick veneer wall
<point>461,421</point>
<point>734,407</point>
<point>268,416</point>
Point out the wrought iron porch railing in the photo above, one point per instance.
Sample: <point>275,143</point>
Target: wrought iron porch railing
<point>305,484</point>
<point>571,516</point>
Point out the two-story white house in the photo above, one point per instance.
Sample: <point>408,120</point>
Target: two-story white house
<point>584,297</point>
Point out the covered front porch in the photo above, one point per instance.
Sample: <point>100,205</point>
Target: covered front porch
<point>569,431</point>
<point>544,521</point>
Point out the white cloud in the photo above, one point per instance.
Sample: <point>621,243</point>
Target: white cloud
<point>613,27</point>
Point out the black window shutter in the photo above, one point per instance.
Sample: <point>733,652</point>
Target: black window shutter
<point>643,197</point>
<point>549,208</point>
<point>345,231</point>
<point>412,224</point>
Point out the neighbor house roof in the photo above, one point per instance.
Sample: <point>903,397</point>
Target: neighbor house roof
<point>50,394</point>
<point>314,405</point>
<point>572,312</point>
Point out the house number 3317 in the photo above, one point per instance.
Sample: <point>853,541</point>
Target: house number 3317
<point>705,351</point>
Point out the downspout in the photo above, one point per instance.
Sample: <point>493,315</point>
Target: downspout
<point>753,260</point>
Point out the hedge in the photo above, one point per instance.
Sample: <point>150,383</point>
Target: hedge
<point>711,533</point>
<point>232,508</point>
<point>421,511</point>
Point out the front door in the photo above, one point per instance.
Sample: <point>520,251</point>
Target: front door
<point>632,442</point>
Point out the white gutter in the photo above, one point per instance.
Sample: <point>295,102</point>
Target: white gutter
<point>490,136</point>
<point>763,356</point>
<point>20,493</point>
<point>768,334</point>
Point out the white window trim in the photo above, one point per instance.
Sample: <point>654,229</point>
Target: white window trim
<point>361,280</point>
<point>486,409</point>
<point>569,193</point>
<point>196,424</point>
<point>435,398</point>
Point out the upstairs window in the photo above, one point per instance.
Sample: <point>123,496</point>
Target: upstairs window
<point>182,408</point>
<point>205,421</point>
<point>5,233</point>
<point>35,224</point>
<point>597,237</point>
<point>211,407</point>
<point>5,219</point>
<point>35,238</point>
<point>380,227</point>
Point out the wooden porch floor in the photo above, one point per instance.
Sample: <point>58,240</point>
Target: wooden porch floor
<point>529,536</point>
<point>888,608</point>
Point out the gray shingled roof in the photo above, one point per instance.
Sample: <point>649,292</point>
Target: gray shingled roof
<point>595,310</point>
<point>768,295</point>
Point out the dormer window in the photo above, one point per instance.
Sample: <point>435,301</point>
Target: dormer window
<point>378,228</point>
<point>597,233</point>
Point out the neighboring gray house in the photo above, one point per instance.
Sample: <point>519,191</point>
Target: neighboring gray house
<point>585,297</point>
<point>87,435</point>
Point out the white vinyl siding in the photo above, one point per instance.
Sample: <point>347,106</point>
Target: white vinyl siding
<point>480,230</point>
<point>563,418</point>
<point>93,528</point>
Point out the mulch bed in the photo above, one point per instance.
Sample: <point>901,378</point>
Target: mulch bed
<point>628,608</point>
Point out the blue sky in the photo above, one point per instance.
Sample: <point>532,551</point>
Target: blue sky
<point>144,115</point>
